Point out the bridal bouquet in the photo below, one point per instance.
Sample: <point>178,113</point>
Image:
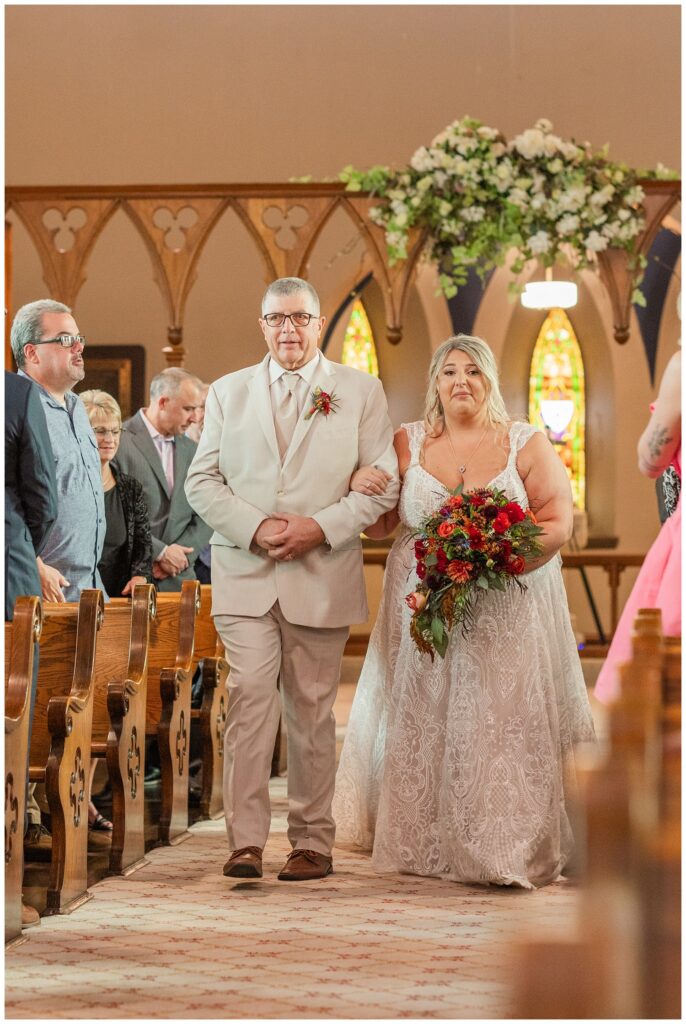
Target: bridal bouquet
<point>475,542</point>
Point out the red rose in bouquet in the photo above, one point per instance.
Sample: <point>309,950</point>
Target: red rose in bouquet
<point>476,542</point>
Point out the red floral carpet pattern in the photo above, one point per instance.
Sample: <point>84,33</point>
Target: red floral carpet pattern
<point>178,940</point>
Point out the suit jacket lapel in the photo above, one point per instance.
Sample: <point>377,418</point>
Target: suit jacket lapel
<point>145,444</point>
<point>324,377</point>
<point>260,402</point>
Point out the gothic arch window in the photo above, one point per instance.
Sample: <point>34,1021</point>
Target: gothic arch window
<point>359,347</point>
<point>557,396</point>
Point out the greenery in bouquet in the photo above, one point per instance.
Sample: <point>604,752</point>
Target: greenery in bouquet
<point>479,196</point>
<point>476,542</point>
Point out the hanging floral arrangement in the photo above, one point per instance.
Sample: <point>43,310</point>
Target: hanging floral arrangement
<point>479,196</point>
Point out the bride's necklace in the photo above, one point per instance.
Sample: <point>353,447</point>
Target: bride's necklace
<point>462,466</point>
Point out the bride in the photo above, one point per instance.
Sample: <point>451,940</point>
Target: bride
<point>459,768</point>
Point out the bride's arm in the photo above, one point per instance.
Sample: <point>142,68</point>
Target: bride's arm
<point>550,496</point>
<point>369,478</point>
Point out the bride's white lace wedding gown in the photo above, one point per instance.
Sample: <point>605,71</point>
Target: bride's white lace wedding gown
<point>458,768</point>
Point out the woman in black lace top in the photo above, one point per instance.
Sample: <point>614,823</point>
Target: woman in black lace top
<point>127,554</point>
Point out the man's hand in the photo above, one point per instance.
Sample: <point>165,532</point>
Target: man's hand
<point>51,582</point>
<point>301,535</point>
<point>268,530</point>
<point>174,560</point>
<point>133,582</point>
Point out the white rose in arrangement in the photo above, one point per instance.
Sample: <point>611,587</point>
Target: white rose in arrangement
<point>487,133</point>
<point>595,242</point>
<point>539,243</point>
<point>551,145</point>
<point>538,201</point>
<point>421,161</point>
<point>544,125</point>
<point>445,208</point>
<point>440,179</point>
<point>530,143</point>
<point>555,166</point>
<point>498,149</point>
<point>567,225</point>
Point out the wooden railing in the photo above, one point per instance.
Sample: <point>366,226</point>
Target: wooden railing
<point>283,221</point>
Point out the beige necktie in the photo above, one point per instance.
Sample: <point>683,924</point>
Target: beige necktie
<point>286,411</point>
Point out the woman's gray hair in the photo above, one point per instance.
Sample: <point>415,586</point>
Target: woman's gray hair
<point>100,405</point>
<point>27,325</point>
<point>291,286</point>
<point>482,356</point>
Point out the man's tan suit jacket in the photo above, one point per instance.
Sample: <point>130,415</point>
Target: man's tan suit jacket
<point>237,479</point>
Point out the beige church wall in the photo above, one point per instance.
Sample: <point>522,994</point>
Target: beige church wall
<point>162,94</point>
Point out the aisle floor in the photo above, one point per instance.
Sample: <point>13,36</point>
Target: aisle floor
<point>178,940</point>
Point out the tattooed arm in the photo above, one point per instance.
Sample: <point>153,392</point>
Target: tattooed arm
<point>662,436</point>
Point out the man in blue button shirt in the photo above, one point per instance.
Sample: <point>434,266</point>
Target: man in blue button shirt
<point>48,349</point>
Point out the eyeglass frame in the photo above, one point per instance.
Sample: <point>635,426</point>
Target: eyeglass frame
<point>73,339</point>
<point>289,316</point>
<point>102,431</point>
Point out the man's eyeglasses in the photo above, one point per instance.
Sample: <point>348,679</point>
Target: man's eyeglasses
<point>65,340</point>
<point>297,319</point>
<point>104,431</point>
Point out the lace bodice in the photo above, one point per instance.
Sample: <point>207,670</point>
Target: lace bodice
<point>422,493</point>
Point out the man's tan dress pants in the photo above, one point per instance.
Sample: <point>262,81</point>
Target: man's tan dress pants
<point>307,661</point>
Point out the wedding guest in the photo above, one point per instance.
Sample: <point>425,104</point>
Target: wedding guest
<point>203,563</point>
<point>30,511</point>
<point>271,476</point>
<point>48,350</point>
<point>458,768</point>
<point>658,584</point>
<point>154,450</point>
<point>127,553</point>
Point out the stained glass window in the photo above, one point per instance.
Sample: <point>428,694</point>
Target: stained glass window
<point>359,349</point>
<point>557,396</point>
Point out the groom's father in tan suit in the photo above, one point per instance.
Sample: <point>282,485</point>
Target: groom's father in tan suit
<point>271,476</point>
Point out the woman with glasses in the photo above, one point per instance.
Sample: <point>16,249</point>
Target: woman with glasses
<point>127,554</point>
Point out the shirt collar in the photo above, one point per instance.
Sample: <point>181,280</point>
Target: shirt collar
<point>69,398</point>
<point>153,431</point>
<point>306,372</point>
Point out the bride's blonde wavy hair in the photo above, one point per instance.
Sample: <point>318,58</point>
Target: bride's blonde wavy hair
<point>480,354</point>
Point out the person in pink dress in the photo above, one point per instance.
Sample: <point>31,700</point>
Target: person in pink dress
<point>658,584</point>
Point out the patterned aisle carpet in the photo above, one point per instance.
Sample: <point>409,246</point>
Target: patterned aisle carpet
<point>178,940</point>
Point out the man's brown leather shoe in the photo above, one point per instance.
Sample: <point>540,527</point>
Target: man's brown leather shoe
<point>244,863</point>
<point>302,865</point>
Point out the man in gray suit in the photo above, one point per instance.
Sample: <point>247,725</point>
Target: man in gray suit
<point>154,450</point>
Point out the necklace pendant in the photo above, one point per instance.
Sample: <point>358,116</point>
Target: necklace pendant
<point>462,469</point>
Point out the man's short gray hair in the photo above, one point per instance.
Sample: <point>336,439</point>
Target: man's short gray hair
<point>290,286</point>
<point>27,325</point>
<point>168,382</point>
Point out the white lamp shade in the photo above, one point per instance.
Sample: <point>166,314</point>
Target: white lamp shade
<point>549,295</point>
<point>556,413</point>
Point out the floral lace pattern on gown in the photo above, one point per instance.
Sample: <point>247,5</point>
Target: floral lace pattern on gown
<point>458,769</point>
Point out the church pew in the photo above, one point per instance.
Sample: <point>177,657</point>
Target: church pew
<point>168,713</point>
<point>61,740</point>
<point>211,716</point>
<point>626,948</point>
<point>119,705</point>
<point>21,636</point>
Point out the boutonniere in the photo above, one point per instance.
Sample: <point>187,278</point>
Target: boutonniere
<point>322,402</point>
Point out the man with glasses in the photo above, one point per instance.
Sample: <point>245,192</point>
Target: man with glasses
<point>271,476</point>
<point>48,349</point>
